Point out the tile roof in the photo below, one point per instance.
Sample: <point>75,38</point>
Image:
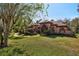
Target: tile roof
<point>56,23</point>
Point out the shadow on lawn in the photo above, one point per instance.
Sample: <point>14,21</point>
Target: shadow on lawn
<point>58,35</point>
<point>53,36</point>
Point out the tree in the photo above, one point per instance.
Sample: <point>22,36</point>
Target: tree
<point>67,21</point>
<point>11,13</point>
<point>75,24</point>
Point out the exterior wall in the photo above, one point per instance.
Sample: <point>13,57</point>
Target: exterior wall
<point>54,28</point>
<point>57,30</point>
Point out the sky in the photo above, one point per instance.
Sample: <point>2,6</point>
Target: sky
<point>58,11</point>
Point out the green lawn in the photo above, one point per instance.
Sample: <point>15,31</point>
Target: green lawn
<point>41,46</point>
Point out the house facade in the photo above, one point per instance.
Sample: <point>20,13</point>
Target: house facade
<point>51,27</point>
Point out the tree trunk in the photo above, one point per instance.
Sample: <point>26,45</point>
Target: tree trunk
<point>2,41</point>
<point>5,34</point>
<point>5,39</point>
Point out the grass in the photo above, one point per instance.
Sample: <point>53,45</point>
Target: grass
<point>41,46</point>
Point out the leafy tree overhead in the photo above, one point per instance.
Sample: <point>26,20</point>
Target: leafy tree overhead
<point>12,14</point>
